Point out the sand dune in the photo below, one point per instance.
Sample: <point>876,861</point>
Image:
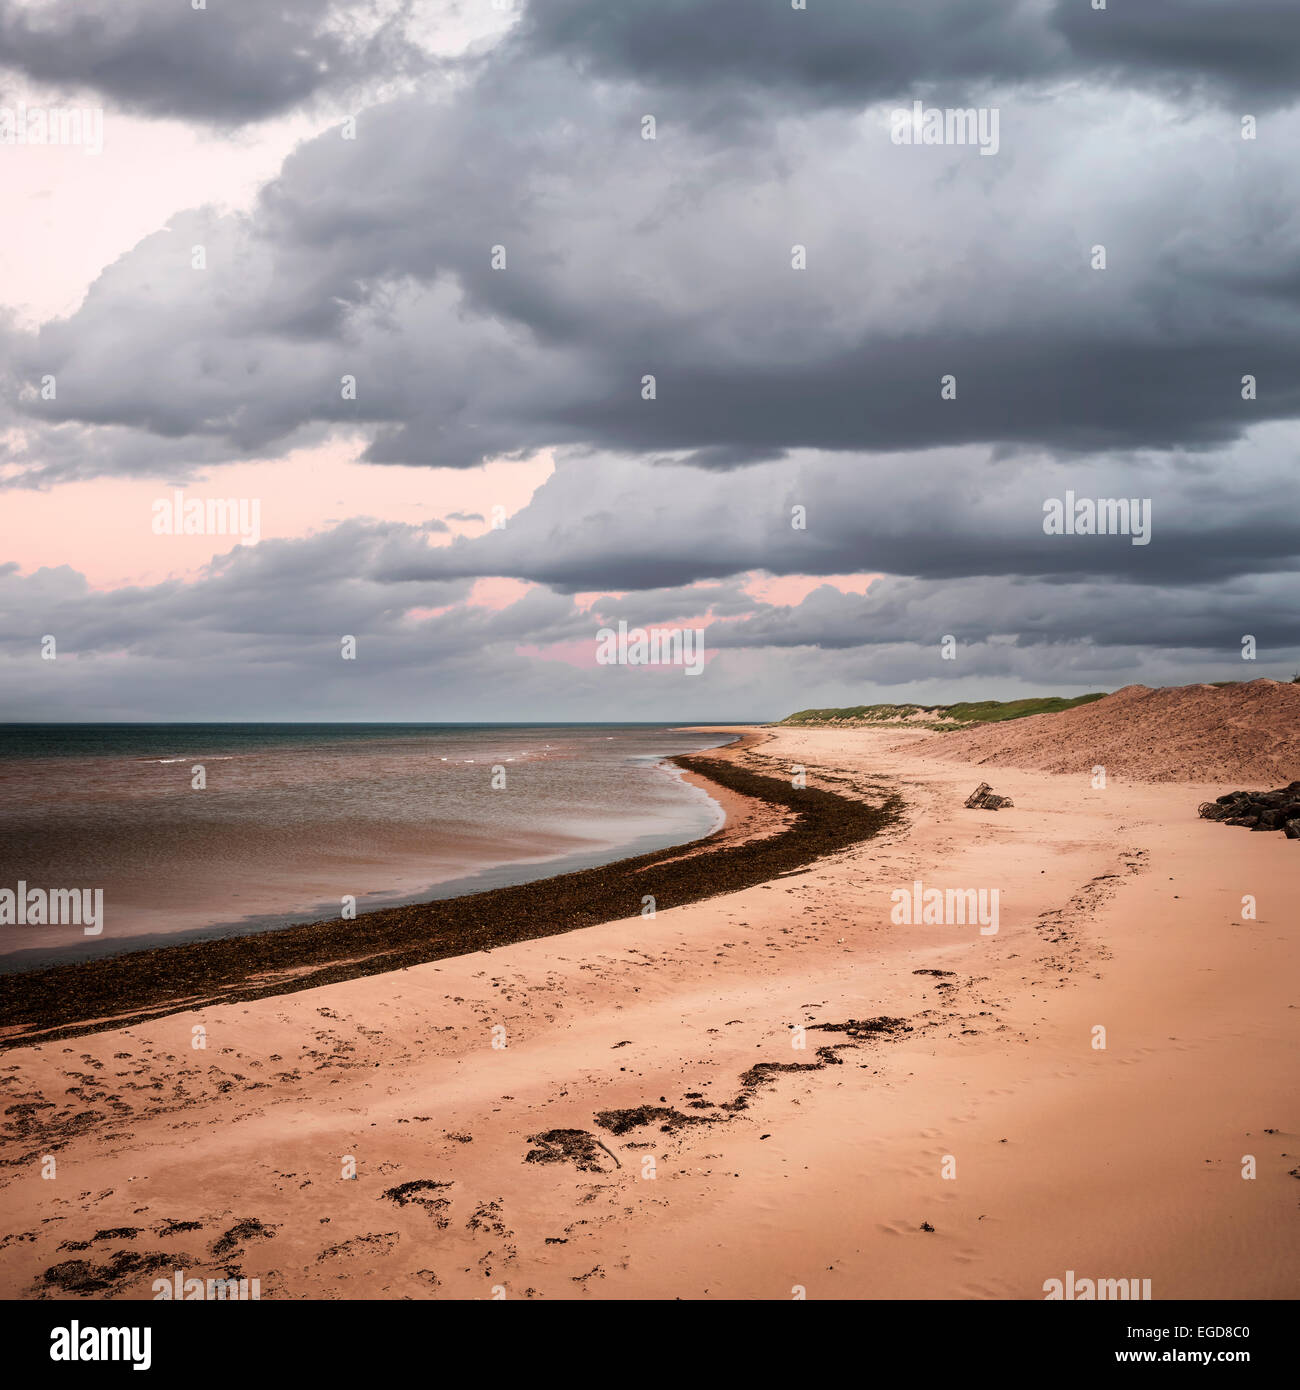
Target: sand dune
<point>1246,734</point>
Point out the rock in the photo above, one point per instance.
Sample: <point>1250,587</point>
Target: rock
<point>983,798</point>
<point>1261,811</point>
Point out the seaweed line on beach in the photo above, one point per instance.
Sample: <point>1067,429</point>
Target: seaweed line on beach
<point>90,996</point>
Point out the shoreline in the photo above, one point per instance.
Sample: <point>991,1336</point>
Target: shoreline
<point>294,826</point>
<point>497,873</point>
<point>771,1088</point>
<point>66,1000</point>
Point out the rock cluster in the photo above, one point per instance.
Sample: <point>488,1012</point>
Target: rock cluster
<point>983,798</point>
<point>1279,810</point>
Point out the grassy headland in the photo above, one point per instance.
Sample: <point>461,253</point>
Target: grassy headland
<point>943,717</point>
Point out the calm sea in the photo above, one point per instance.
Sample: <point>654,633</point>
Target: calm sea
<point>294,817</point>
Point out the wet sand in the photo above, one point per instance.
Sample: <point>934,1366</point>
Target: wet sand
<point>752,1093</point>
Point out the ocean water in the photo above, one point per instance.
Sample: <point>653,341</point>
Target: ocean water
<point>293,817</point>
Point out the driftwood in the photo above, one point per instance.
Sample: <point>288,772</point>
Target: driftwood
<point>983,798</point>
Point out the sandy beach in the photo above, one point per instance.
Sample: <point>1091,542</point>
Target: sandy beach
<point>770,1093</point>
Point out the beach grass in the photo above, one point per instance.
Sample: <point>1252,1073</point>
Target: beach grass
<point>941,717</point>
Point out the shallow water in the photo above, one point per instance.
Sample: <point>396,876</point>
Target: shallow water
<point>295,817</point>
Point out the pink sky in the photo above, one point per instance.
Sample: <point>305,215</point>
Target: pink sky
<point>785,590</point>
<point>104,526</point>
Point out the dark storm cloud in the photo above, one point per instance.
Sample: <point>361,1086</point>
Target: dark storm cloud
<point>849,52</point>
<point>239,60</point>
<point>1111,614</point>
<point>1027,387</point>
<point>230,62</point>
<point>602,523</point>
<point>628,258</point>
<point>1248,49</point>
<point>836,50</point>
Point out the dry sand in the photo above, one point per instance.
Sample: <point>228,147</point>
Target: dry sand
<point>1248,734</point>
<point>760,1167</point>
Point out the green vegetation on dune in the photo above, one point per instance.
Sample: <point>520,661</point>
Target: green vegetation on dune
<point>958,716</point>
<point>991,711</point>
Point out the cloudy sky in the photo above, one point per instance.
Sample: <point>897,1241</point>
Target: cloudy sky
<point>499,369</point>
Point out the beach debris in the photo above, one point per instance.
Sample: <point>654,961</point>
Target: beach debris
<point>668,1119</point>
<point>170,1227</point>
<point>860,1028</point>
<point>423,1192</point>
<point>487,1218</point>
<point>373,1243</point>
<point>761,1074</point>
<point>1275,810</point>
<point>241,1231</point>
<point>124,1268</point>
<point>983,798</point>
<point>576,1146</point>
